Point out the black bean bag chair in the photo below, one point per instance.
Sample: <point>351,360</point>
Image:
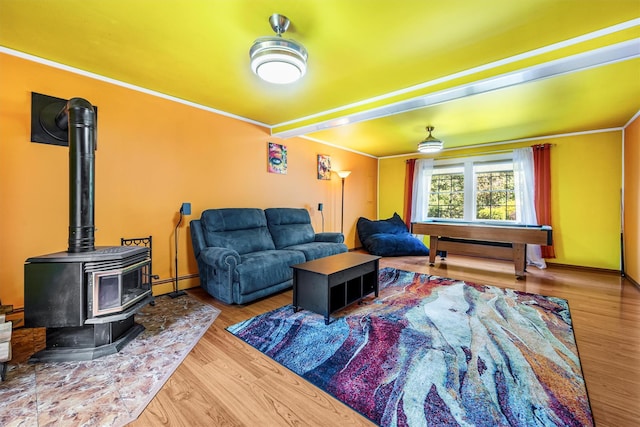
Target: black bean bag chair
<point>389,237</point>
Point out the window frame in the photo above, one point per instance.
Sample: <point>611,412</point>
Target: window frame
<point>468,166</point>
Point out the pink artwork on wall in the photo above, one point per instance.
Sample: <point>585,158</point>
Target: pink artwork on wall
<point>324,166</point>
<point>277,162</point>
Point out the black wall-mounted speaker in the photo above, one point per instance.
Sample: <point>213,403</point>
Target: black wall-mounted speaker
<point>320,207</point>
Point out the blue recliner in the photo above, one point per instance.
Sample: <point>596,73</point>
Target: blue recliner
<point>244,254</point>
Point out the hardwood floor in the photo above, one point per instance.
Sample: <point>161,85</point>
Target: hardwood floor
<point>225,382</point>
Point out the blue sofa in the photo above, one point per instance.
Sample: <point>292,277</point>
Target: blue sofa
<point>244,254</point>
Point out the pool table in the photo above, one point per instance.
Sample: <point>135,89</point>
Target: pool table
<point>499,241</point>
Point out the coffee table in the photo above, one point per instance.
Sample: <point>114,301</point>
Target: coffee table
<point>328,284</point>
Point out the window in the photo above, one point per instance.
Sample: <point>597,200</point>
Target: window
<point>446,199</point>
<point>476,189</point>
<point>495,192</point>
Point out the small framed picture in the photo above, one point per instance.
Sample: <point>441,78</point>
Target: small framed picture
<point>324,166</point>
<point>277,161</point>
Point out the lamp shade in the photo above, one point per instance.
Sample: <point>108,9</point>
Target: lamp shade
<point>343,174</point>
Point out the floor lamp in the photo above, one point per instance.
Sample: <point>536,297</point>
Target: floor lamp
<point>185,209</point>
<point>342,175</point>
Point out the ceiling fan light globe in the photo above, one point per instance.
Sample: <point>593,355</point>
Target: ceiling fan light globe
<point>430,146</point>
<point>279,61</point>
<point>278,72</point>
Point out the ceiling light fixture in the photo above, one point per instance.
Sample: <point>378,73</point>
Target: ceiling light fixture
<point>278,60</point>
<point>430,144</point>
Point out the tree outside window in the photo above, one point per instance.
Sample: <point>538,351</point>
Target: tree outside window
<point>495,196</point>
<point>447,196</point>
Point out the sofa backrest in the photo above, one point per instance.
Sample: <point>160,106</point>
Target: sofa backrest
<point>289,226</point>
<point>241,229</point>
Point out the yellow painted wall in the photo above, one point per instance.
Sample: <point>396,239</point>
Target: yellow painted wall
<point>586,183</point>
<point>153,154</point>
<point>632,200</point>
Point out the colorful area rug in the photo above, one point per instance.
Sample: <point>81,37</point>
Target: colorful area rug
<point>436,351</point>
<point>109,391</point>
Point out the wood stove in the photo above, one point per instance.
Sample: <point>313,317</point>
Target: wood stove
<point>86,297</point>
<point>87,301</point>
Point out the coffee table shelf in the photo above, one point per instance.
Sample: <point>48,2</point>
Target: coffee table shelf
<point>329,284</point>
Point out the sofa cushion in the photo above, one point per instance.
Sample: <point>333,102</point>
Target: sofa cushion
<point>263,269</point>
<point>315,250</point>
<point>289,226</point>
<point>241,229</point>
<point>389,237</point>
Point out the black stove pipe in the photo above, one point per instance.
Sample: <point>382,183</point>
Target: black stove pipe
<point>80,118</point>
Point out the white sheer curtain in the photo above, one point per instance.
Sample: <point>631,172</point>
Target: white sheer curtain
<point>523,174</point>
<point>421,189</point>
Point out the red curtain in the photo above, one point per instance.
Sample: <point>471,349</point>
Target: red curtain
<point>408,191</point>
<point>542,172</point>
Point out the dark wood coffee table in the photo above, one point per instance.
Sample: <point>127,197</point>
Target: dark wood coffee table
<point>328,284</point>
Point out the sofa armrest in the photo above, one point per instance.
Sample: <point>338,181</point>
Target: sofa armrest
<point>329,237</point>
<point>218,272</point>
<point>226,259</point>
<point>197,237</point>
